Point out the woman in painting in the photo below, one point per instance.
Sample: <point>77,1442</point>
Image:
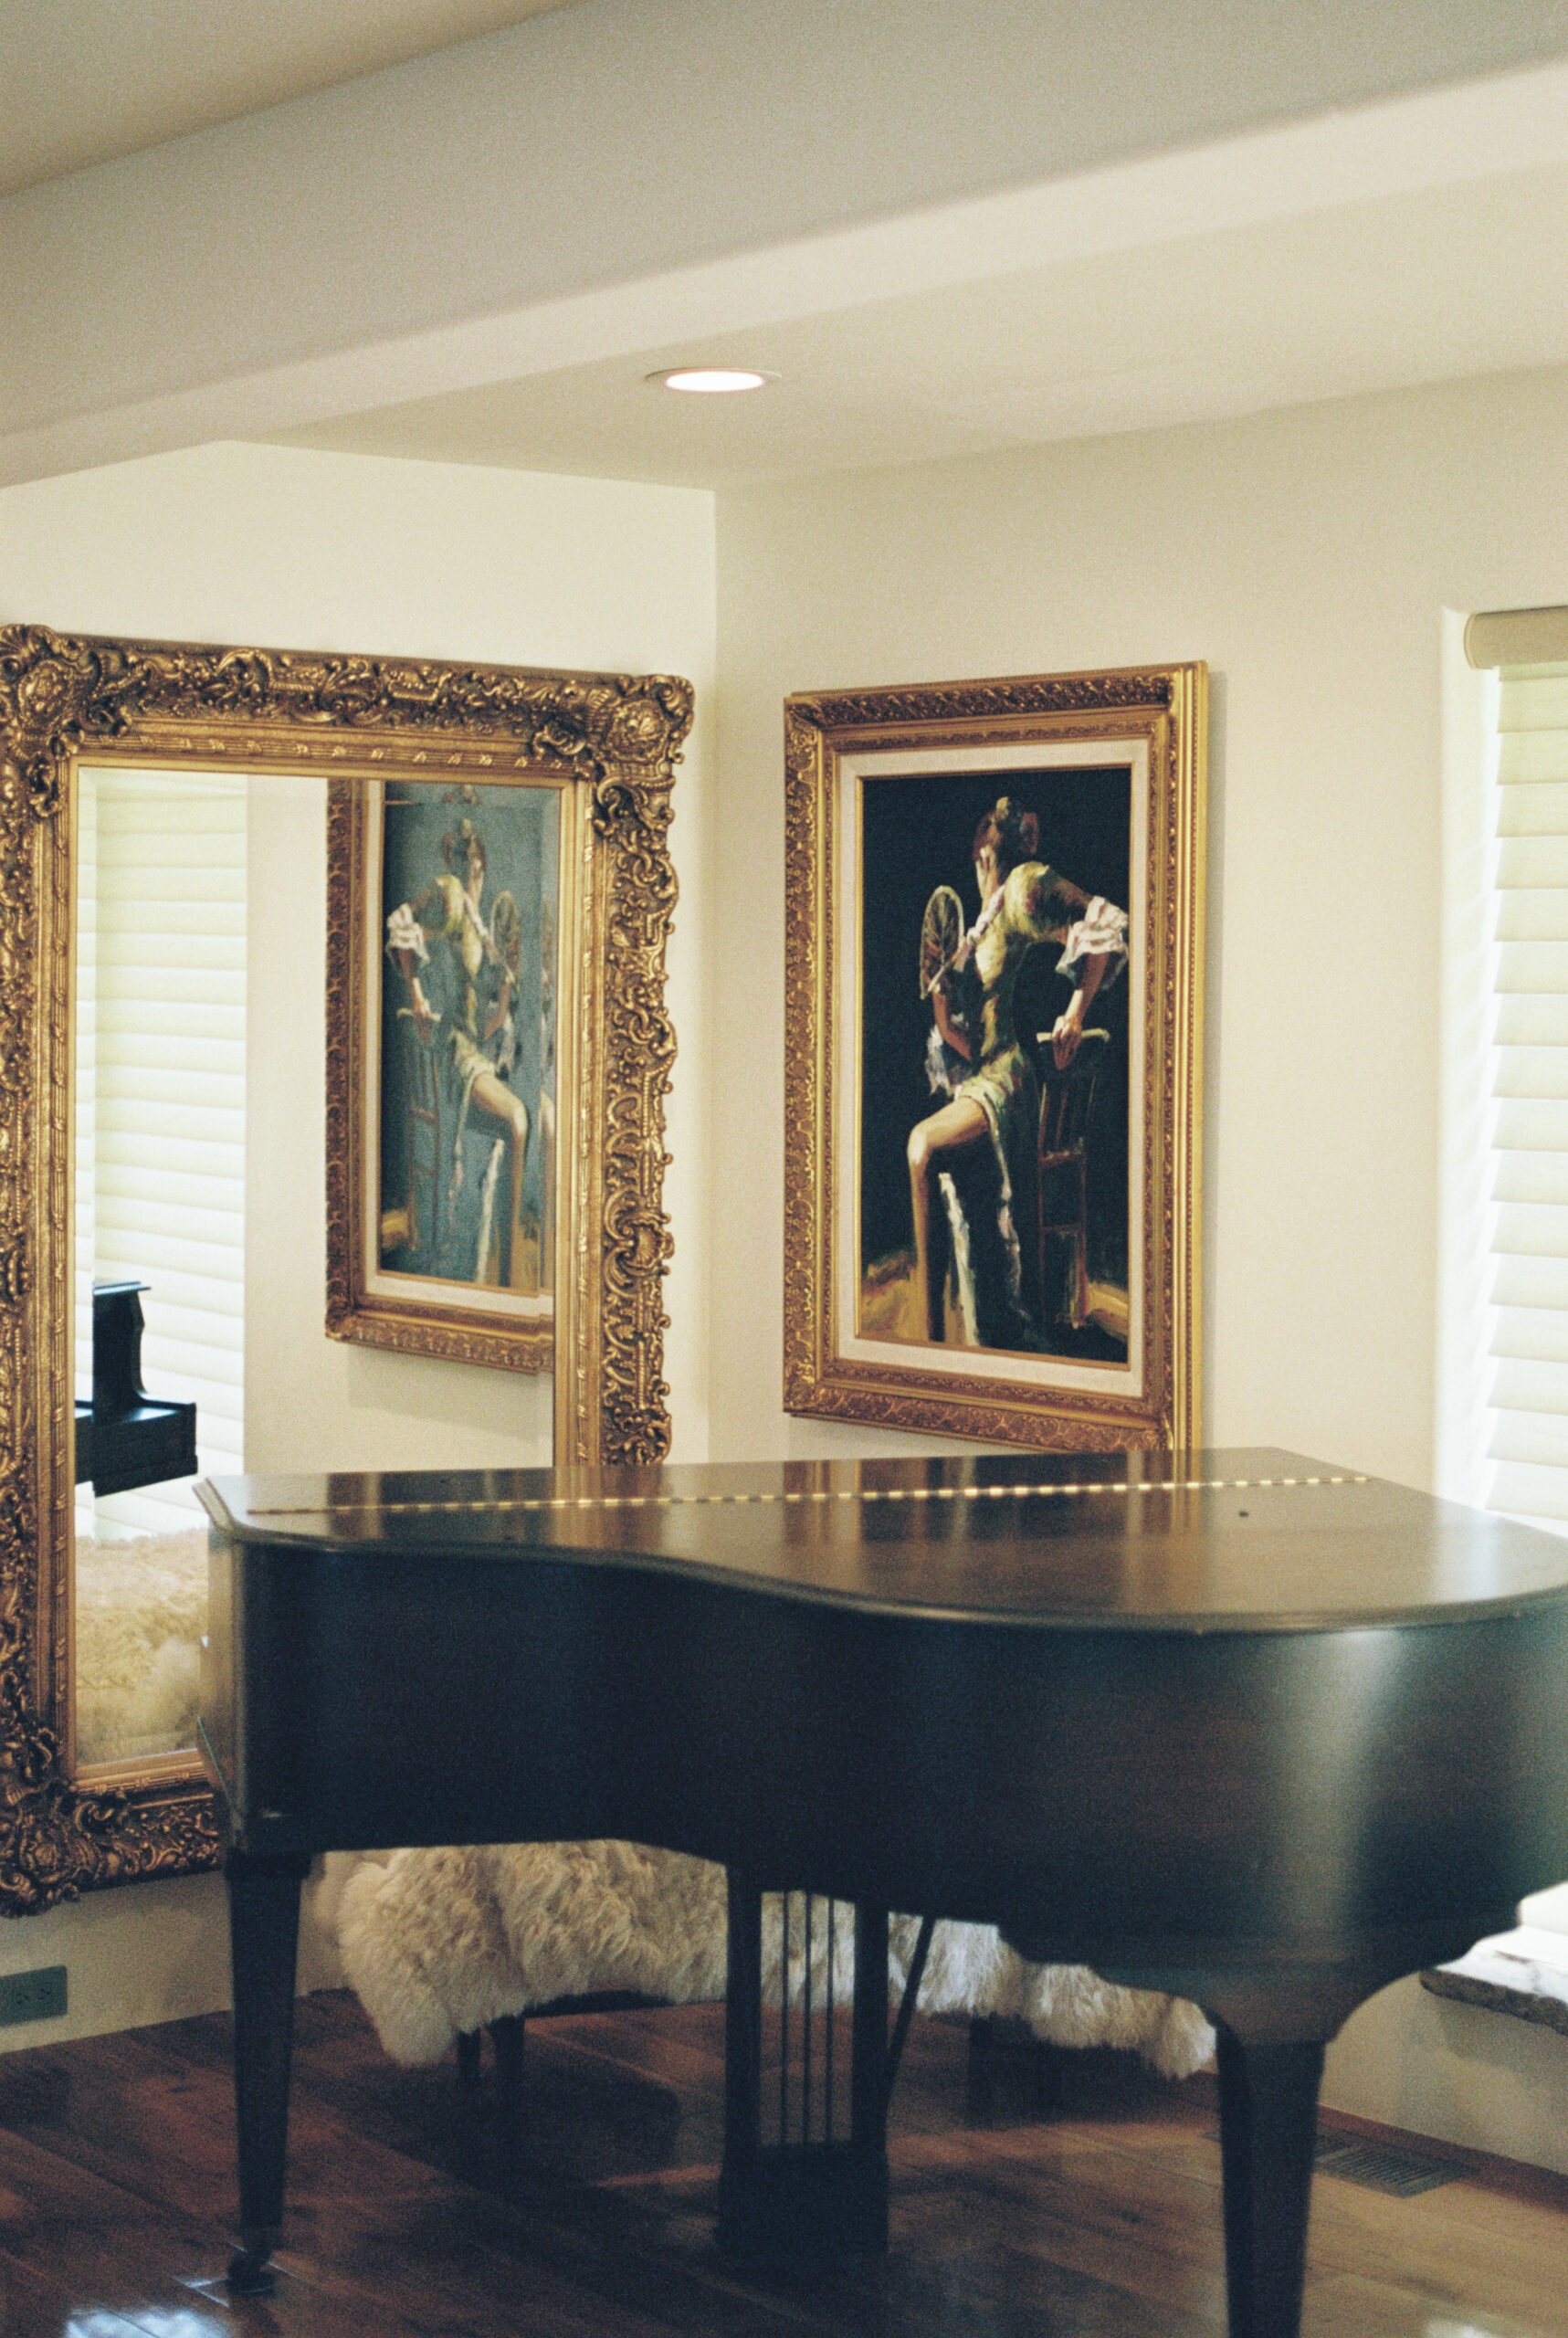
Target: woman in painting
<point>971,1162</point>
<point>473,1029</point>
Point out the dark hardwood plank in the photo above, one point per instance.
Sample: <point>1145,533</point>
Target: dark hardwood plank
<point>117,2204</point>
<point>34,2306</point>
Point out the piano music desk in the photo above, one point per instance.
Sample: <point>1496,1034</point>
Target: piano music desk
<point>1248,1728</point>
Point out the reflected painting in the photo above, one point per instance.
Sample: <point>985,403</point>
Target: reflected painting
<point>470,908</point>
<point>453,927</point>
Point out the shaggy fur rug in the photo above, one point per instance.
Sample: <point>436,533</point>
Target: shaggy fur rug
<point>140,1611</point>
<point>434,1941</point>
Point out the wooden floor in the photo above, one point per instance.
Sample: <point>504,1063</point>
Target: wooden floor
<point>1101,2221</point>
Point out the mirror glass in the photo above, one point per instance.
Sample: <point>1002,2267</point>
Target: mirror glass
<point>158,1225</point>
<point>200,902</point>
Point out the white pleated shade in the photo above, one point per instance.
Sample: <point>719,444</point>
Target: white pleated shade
<point>1521,639</point>
<point>1528,1391</point>
<point>160,1189</point>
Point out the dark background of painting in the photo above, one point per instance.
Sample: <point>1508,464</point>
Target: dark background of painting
<point>918,832</point>
<point>520,829</point>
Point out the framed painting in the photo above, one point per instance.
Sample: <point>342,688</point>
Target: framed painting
<point>450,899</point>
<point>993,1041</point>
<point>498,1046</point>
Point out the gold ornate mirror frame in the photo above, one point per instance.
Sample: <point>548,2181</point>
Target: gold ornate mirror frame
<point>66,701</point>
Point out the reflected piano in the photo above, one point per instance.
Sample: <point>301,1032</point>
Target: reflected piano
<point>124,1438</point>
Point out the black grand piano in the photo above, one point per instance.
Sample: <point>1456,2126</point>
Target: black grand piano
<point>1246,1728</point>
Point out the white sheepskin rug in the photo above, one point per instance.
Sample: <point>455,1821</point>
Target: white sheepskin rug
<point>434,1941</point>
<point>140,1611</point>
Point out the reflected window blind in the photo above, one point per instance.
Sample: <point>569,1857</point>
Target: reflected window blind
<point>160,1181</point>
<point>1529,1427</point>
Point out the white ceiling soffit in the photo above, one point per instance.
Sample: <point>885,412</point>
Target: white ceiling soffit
<point>89,81</point>
<point>1412,288</point>
<point>1372,251</point>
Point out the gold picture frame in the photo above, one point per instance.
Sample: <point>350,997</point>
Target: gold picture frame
<point>985,1237</point>
<point>610,742</point>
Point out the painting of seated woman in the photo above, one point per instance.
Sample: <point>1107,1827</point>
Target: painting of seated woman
<point>993,1047</point>
<point>470,890</point>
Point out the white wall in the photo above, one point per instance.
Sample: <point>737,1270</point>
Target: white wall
<point>1308,557</point>
<point>262,547</point>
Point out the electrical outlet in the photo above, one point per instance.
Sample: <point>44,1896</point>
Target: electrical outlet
<point>33,1997</point>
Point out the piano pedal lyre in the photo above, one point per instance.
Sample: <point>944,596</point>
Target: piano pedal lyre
<point>819,2184</point>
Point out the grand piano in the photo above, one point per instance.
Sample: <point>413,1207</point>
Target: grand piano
<point>1243,1727</point>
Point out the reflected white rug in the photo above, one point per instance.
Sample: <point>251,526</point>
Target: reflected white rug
<point>434,1941</point>
<point>140,1611</point>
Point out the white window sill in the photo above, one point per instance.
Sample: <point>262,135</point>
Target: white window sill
<point>1523,1973</point>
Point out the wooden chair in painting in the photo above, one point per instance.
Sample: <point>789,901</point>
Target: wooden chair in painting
<point>1066,1114</point>
<point>428,1139</point>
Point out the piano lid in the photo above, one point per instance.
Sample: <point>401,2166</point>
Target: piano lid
<point>1252,1540</point>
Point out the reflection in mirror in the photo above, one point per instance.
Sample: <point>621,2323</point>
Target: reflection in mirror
<point>445,903</point>
<point>145,789</point>
<point>158,1223</point>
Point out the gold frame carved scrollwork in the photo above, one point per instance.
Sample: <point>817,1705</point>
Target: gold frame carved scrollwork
<point>66,700</point>
<point>840,1362</point>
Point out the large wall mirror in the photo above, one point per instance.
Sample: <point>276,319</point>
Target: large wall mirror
<point>333,1052</point>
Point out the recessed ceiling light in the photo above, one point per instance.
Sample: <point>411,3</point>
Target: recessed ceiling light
<point>710,381</point>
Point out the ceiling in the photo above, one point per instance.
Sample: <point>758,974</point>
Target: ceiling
<point>1416,286</point>
<point>89,81</point>
<point>1364,280</point>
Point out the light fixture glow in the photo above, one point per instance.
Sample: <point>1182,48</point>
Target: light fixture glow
<point>710,381</point>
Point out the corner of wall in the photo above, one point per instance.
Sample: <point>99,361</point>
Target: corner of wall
<point>1465,1108</point>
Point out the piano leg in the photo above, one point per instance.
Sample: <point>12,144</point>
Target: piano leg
<point>508,2035</point>
<point>871,2069</point>
<point>264,1930</point>
<point>742,2060</point>
<point>813,2193</point>
<point>1269,2123</point>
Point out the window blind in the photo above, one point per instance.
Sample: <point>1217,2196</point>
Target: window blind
<point>1528,1443</point>
<point>160,1183</point>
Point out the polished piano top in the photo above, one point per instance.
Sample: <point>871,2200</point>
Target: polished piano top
<point>1137,1715</point>
<point>1255,1540</point>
